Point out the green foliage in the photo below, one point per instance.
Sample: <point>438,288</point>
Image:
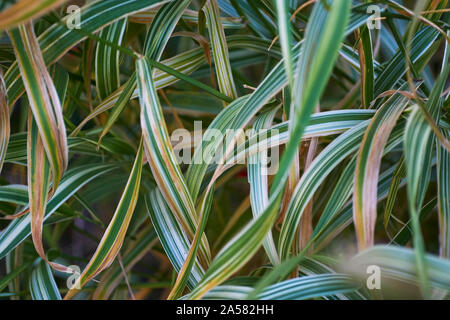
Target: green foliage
<point>96,204</point>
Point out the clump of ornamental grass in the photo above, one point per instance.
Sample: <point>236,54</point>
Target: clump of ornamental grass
<point>272,149</point>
